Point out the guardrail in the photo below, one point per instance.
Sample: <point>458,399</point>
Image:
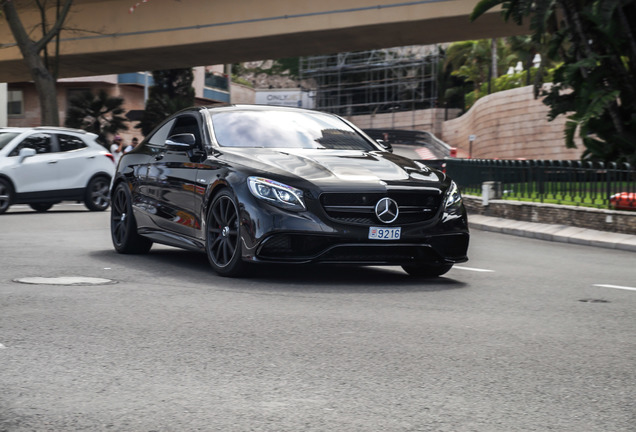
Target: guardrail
<point>589,184</point>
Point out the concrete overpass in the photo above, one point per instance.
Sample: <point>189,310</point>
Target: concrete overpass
<point>104,37</point>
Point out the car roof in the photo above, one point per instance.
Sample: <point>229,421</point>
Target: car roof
<point>22,130</point>
<point>43,128</point>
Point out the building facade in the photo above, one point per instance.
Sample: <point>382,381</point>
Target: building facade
<point>210,84</point>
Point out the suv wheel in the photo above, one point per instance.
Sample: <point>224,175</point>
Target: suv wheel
<point>6,195</point>
<point>41,207</point>
<point>96,198</point>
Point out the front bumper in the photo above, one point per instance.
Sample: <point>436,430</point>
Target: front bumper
<point>307,248</point>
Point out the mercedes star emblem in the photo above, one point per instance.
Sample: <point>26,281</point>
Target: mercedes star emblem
<point>386,210</point>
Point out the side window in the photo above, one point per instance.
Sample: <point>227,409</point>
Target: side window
<point>69,143</point>
<point>161,135</point>
<point>187,124</point>
<point>40,142</point>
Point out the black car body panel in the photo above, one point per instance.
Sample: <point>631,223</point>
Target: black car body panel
<point>172,186</point>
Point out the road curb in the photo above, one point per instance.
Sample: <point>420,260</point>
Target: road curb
<point>556,233</point>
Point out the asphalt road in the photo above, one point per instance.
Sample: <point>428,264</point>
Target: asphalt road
<point>528,335</point>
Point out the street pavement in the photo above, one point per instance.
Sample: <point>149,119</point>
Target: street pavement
<point>554,232</point>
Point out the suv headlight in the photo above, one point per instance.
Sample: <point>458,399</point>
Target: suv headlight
<point>453,202</point>
<point>276,193</point>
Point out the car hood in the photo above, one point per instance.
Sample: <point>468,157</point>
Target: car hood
<point>336,168</point>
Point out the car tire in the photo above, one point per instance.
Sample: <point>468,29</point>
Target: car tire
<point>427,270</point>
<point>41,207</point>
<point>222,238</point>
<point>96,195</point>
<point>6,195</point>
<point>123,227</point>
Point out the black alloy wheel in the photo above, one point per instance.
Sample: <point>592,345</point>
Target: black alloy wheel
<point>223,240</point>
<point>6,195</point>
<point>96,198</point>
<point>427,270</point>
<point>123,228</point>
<point>41,207</point>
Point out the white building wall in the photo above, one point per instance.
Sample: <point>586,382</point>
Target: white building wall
<point>199,80</point>
<point>3,104</point>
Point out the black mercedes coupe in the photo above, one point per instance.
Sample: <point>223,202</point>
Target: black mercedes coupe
<point>261,184</point>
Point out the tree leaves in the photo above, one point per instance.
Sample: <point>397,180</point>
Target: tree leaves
<point>595,87</point>
<point>172,91</point>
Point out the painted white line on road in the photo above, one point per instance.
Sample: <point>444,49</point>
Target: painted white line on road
<point>615,287</point>
<point>473,269</point>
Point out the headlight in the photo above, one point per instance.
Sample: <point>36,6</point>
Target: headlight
<point>453,201</point>
<point>276,193</point>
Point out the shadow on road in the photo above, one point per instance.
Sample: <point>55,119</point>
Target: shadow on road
<point>193,268</point>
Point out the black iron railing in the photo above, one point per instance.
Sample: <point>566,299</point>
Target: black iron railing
<point>590,184</point>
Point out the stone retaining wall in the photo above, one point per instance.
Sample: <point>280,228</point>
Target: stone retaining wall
<point>430,120</point>
<point>511,124</point>
<point>616,221</point>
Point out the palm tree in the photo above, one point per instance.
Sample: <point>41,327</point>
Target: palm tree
<point>100,114</point>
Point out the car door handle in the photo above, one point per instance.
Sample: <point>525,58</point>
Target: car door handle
<point>52,162</point>
<point>159,157</point>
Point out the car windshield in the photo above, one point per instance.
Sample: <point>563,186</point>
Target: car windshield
<point>286,129</point>
<point>6,137</point>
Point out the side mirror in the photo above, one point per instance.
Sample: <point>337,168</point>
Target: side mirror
<point>181,142</point>
<point>385,145</point>
<point>25,153</point>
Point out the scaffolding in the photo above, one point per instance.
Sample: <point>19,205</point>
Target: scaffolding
<point>377,81</point>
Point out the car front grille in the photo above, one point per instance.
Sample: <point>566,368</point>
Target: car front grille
<point>359,208</point>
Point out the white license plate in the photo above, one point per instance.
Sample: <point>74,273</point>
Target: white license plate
<point>379,233</point>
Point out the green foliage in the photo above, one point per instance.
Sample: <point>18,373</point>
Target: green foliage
<point>100,114</point>
<point>172,91</point>
<point>240,80</point>
<point>470,64</point>
<point>506,82</point>
<point>595,87</point>
<point>469,60</point>
<point>289,66</point>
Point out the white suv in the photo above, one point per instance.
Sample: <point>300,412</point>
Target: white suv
<point>45,165</point>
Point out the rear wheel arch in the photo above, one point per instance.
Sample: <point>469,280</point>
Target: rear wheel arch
<point>8,180</point>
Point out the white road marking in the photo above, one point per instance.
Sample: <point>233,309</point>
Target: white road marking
<point>473,269</point>
<point>615,287</point>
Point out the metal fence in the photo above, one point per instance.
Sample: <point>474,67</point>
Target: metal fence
<point>590,184</point>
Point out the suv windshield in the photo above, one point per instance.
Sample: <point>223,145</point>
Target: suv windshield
<point>5,137</point>
<point>285,129</point>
